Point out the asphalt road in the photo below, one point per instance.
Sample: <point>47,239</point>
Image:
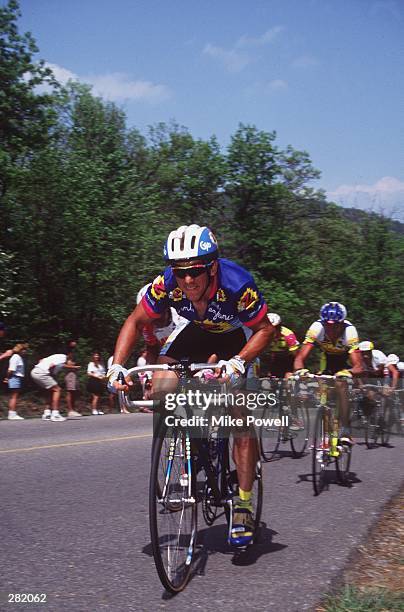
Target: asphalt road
<point>74,524</point>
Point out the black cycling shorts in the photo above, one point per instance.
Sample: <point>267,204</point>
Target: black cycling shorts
<point>194,343</point>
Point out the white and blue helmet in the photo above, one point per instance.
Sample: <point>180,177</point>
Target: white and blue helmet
<point>191,242</point>
<point>333,311</point>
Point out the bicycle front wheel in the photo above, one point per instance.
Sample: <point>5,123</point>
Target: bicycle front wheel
<point>343,463</point>
<point>172,507</point>
<point>299,439</point>
<point>320,458</point>
<point>269,434</point>
<point>386,420</point>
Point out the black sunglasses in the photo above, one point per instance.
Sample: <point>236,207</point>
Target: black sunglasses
<point>193,271</point>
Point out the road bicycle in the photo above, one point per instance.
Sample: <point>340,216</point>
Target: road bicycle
<point>327,449</point>
<point>191,466</point>
<point>291,410</point>
<point>379,415</point>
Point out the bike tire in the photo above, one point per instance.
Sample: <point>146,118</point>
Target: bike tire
<point>319,455</point>
<point>343,464</point>
<point>172,509</point>
<point>386,421</point>
<point>371,429</point>
<point>300,439</point>
<point>270,436</point>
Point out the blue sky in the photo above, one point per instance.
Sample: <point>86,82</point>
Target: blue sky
<point>326,75</point>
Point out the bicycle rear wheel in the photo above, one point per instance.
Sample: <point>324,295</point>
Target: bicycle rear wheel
<point>320,458</point>
<point>172,507</point>
<point>299,439</point>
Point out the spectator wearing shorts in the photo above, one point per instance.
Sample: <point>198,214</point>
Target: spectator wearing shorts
<point>96,382</point>
<point>72,387</point>
<point>43,375</point>
<point>15,377</point>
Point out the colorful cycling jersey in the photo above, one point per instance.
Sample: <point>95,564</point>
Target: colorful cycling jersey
<point>233,301</point>
<point>346,343</point>
<point>286,342</point>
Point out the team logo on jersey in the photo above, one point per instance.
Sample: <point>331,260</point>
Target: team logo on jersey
<point>211,326</point>
<point>248,300</point>
<point>221,296</point>
<point>176,294</point>
<point>158,289</point>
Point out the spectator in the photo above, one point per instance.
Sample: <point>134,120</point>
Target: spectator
<point>71,382</point>
<point>97,381</point>
<point>15,377</point>
<point>43,373</point>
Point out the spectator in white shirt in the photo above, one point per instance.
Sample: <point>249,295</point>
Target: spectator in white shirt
<point>97,381</point>
<point>43,374</point>
<point>15,377</point>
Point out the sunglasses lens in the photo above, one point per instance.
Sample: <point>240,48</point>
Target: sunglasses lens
<point>192,272</point>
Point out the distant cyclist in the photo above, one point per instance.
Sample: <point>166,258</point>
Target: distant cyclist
<point>281,348</point>
<point>217,297</point>
<point>338,342</point>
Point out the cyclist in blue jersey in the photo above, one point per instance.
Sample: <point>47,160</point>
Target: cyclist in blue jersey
<point>219,301</point>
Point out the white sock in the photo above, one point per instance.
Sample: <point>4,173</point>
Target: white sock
<point>11,412</point>
<point>55,412</point>
<point>47,411</point>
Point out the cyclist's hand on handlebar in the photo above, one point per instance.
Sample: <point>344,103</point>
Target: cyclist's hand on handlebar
<point>302,372</point>
<point>343,374</point>
<point>231,370</point>
<point>116,372</point>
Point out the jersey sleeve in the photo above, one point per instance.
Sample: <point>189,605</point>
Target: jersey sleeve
<point>251,305</point>
<point>313,333</point>
<point>156,300</point>
<point>290,339</point>
<point>352,338</point>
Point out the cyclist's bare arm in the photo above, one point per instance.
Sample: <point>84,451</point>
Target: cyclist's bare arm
<point>262,333</point>
<point>129,334</point>
<point>302,356</point>
<point>357,363</point>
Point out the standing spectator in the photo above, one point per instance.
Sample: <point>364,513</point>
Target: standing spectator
<point>43,374</point>
<point>15,377</point>
<point>97,381</point>
<point>71,381</point>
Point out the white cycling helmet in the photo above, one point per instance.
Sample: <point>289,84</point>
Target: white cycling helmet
<point>191,242</point>
<point>366,345</point>
<point>141,293</point>
<point>392,359</point>
<point>274,318</point>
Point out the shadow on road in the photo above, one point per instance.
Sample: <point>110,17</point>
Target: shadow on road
<point>330,477</point>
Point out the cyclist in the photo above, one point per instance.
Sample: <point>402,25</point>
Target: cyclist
<point>391,371</point>
<point>374,360</point>
<point>338,341</point>
<point>282,348</point>
<point>217,297</point>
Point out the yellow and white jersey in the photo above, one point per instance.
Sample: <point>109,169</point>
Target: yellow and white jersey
<point>346,343</point>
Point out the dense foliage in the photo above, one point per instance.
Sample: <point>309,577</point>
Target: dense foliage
<point>86,204</point>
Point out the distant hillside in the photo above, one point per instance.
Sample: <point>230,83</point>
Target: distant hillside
<point>357,215</point>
